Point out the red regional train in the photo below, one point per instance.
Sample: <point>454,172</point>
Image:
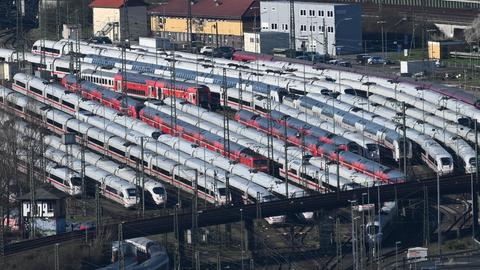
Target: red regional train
<point>150,87</point>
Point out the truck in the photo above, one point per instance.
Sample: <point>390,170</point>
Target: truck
<point>417,254</point>
<point>410,68</point>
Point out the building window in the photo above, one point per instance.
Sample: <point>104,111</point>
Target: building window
<point>273,9</point>
<point>303,12</point>
<point>252,40</point>
<point>330,13</point>
<point>274,26</point>
<point>311,12</point>
<point>321,29</point>
<point>284,26</point>
<point>303,27</point>
<point>320,13</point>
<point>312,28</point>
<point>330,29</point>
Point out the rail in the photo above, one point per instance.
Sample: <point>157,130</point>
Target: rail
<point>229,214</point>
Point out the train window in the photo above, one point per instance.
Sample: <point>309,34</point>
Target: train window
<point>76,181</point>
<point>136,92</point>
<point>158,190</point>
<point>68,104</point>
<point>293,171</point>
<point>131,192</point>
<point>306,176</point>
<point>258,108</point>
<point>72,131</point>
<point>183,180</point>
<point>297,91</point>
<point>52,97</point>
<point>50,50</point>
<point>117,151</point>
<point>54,123</point>
<point>202,189</point>
<point>36,90</point>
<point>110,189</point>
<point>160,170</point>
<point>21,84</point>
<point>56,178</point>
<point>445,161</point>
<point>95,141</point>
<point>62,69</point>
<point>135,159</point>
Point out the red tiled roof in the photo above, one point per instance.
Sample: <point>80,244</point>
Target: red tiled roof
<point>115,3</point>
<point>223,9</point>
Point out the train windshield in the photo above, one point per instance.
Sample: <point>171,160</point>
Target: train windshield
<point>158,190</point>
<point>260,162</point>
<point>445,161</point>
<point>76,181</point>
<point>222,191</point>
<point>131,192</point>
<point>472,161</point>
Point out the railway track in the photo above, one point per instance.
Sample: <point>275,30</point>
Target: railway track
<point>228,214</point>
<point>7,38</point>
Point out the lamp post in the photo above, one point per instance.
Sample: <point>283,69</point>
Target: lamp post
<point>383,47</point>
<point>396,253</point>
<point>391,28</point>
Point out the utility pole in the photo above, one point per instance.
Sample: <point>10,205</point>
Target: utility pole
<point>82,175</point>
<point>43,34</point>
<point>142,175</point>
<point>240,88</point>
<point>189,24</point>
<point>404,140</point>
<point>121,259</point>
<point>57,19</point>
<point>439,232</point>
<point>292,29</point>
<point>57,258</point>
<point>475,183</point>
<point>20,48</point>
<point>195,218</point>
<point>97,210</point>
<point>286,159</point>
<point>338,242</point>
<point>269,135</point>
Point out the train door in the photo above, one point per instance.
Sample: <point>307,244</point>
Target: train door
<point>191,98</point>
<point>149,93</point>
<point>159,93</point>
<point>119,86</point>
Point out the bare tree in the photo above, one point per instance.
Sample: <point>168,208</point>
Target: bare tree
<point>472,34</point>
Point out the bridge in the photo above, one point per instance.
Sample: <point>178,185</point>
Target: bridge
<point>235,213</point>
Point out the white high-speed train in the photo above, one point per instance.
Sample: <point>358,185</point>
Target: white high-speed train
<point>155,191</point>
<point>351,176</point>
<point>463,150</point>
<point>301,173</point>
<point>387,137</point>
<point>60,177</point>
<point>117,148</point>
<point>111,187</point>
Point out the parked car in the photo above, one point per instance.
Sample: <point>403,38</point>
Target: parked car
<point>224,52</point>
<point>344,64</point>
<point>100,40</point>
<point>362,58</point>
<point>376,60</point>
<point>207,50</point>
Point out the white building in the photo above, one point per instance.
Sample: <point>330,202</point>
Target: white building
<point>338,25</point>
<point>108,16</point>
